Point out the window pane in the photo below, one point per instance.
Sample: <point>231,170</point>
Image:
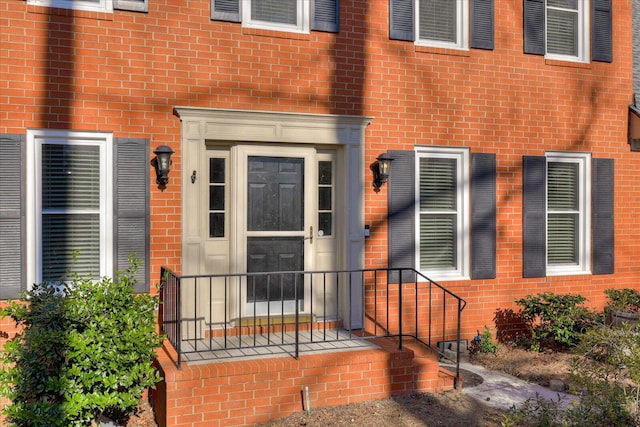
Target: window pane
<point>563,239</point>
<point>324,173</point>
<point>216,171</point>
<point>70,176</point>
<point>277,11</point>
<point>216,225</point>
<point>437,241</point>
<point>562,32</point>
<point>438,20</point>
<point>64,234</point>
<point>562,186</point>
<point>565,4</point>
<point>325,223</point>
<point>437,184</point>
<point>216,198</point>
<point>324,198</point>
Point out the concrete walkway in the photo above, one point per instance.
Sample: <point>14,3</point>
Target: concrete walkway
<point>503,391</point>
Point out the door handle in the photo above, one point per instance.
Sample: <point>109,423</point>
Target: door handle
<point>310,237</point>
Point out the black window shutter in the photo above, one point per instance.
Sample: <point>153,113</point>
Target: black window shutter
<point>534,231</point>
<point>131,207</point>
<point>534,27</point>
<point>482,24</point>
<point>326,16</point>
<point>602,49</point>
<point>483,216</point>
<point>134,5</point>
<point>401,20</point>
<point>225,10</point>
<point>12,218</point>
<point>401,211</point>
<point>602,216</point>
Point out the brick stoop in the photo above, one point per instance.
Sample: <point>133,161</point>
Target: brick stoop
<point>249,391</point>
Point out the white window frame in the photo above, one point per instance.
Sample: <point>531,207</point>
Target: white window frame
<point>583,160</point>
<point>463,242</point>
<point>35,139</point>
<point>303,19</point>
<point>583,34</point>
<point>100,6</point>
<point>462,34</point>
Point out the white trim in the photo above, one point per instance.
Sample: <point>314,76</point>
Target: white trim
<point>462,27</point>
<point>463,243</point>
<point>584,205</point>
<point>302,19</point>
<point>584,28</point>
<point>35,139</point>
<point>94,6</point>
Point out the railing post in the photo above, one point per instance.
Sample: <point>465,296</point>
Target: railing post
<point>457,382</point>
<point>295,301</point>
<point>400,309</point>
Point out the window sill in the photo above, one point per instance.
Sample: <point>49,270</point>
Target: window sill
<point>74,13</point>
<point>567,64</point>
<point>262,32</point>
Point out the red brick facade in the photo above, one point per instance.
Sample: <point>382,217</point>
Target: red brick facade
<point>124,72</point>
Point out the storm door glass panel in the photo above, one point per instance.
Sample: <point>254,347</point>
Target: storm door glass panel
<point>438,213</point>
<point>275,228</point>
<point>70,211</point>
<point>563,213</point>
<point>275,11</point>
<point>325,198</point>
<point>438,20</point>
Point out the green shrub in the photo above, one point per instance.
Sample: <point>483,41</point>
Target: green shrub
<point>483,343</point>
<point>85,350</point>
<point>556,320</point>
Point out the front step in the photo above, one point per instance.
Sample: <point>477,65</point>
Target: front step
<point>428,375</point>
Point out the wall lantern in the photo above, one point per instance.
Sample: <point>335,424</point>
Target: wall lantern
<point>162,164</point>
<point>380,169</point>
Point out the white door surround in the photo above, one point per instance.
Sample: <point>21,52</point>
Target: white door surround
<point>344,134</point>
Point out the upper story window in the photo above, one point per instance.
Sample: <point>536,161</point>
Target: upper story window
<point>454,24</point>
<point>298,16</point>
<point>92,5</point>
<point>442,23</point>
<point>569,30</point>
<point>566,29</point>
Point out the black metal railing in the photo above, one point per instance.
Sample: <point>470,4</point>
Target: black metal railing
<point>228,315</point>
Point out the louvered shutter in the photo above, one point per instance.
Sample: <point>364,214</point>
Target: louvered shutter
<point>131,206</point>
<point>401,211</point>
<point>225,10</point>
<point>534,246</point>
<point>133,5</point>
<point>401,20</point>
<point>602,178</point>
<point>534,27</point>
<point>482,24</point>
<point>602,49</point>
<point>12,224</point>
<point>326,16</point>
<point>483,216</point>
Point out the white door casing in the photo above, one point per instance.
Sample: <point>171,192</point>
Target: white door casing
<point>236,134</point>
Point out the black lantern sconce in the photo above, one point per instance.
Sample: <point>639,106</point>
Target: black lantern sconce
<point>162,163</point>
<point>380,169</point>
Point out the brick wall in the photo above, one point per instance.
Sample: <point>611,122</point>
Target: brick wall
<point>124,72</point>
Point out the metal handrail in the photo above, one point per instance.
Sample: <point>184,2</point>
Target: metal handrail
<point>410,284</point>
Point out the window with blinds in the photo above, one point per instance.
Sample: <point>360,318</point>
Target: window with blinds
<point>93,5</point>
<point>70,226</point>
<point>568,204</point>
<point>292,15</point>
<point>442,196</point>
<point>442,22</point>
<point>566,28</point>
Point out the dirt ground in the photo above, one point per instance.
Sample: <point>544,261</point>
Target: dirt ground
<point>453,409</point>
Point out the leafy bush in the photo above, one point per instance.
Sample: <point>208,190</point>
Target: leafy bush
<point>625,299</point>
<point>483,343</point>
<point>85,350</point>
<point>556,319</point>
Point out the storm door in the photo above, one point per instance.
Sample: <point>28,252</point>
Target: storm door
<point>279,233</point>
